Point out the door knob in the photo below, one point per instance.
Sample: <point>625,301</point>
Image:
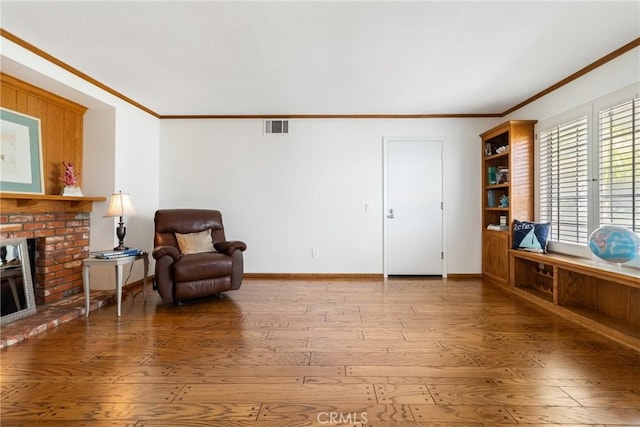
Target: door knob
<point>390,214</point>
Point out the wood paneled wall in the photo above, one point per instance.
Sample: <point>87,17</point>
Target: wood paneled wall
<point>61,122</point>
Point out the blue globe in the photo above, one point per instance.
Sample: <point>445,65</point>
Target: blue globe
<point>614,244</point>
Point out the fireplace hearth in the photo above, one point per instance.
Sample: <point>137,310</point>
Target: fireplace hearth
<point>52,315</point>
<point>58,229</point>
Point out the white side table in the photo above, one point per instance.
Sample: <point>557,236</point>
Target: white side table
<point>118,263</point>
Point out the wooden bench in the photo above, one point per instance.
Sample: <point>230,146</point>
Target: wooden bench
<point>597,295</point>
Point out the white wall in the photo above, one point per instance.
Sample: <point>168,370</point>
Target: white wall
<point>99,150</point>
<point>612,76</point>
<point>120,152</point>
<point>286,194</point>
<point>136,172</point>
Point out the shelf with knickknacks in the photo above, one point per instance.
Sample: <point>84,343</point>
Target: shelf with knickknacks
<point>507,186</point>
<point>71,180</point>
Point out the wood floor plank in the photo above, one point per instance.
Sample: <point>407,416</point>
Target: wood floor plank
<point>466,335</point>
<point>398,380</point>
<point>346,323</point>
<point>283,334</point>
<point>108,392</point>
<point>274,393</point>
<point>52,370</point>
<point>212,380</point>
<point>166,412</point>
<point>292,353</point>
<point>601,374</point>
<point>225,344</point>
<point>462,414</point>
<point>22,412</point>
<point>617,397</point>
<point>455,394</point>
<point>422,424</point>
<point>211,371</point>
<point>621,358</point>
<point>403,393</point>
<point>549,425</point>
<point>234,423</point>
<point>74,423</point>
<point>515,359</point>
<point>428,371</point>
<point>575,415</point>
<point>262,358</point>
<point>98,380</point>
<point>380,358</point>
<point>331,344</point>
<point>546,382</point>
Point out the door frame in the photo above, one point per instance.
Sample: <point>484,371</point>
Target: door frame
<point>385,143</point>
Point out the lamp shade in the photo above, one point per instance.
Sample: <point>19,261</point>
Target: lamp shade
<point>120,205</point>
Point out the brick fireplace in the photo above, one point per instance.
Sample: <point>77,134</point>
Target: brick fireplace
<point>60,228</point>
<point>58,224</point>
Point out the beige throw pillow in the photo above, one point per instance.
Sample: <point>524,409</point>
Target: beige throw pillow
<point>195,243</point>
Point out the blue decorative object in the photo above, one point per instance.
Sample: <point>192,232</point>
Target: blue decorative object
<point>530,236</point>
<point>614,244</point>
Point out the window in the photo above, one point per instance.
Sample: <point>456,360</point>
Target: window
<point>564,180</point>
<point>588,171</point>
<point>619,162</point>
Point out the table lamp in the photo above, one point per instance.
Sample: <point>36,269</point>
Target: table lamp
<point>120,205</point>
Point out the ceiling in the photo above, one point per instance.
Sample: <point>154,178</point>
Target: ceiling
<point>320,57</point>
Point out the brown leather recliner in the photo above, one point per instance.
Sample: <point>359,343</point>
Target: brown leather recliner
<point>180,277</point>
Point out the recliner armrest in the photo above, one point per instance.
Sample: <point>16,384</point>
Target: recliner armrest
<point>229,247</point>
<point>160,251</point>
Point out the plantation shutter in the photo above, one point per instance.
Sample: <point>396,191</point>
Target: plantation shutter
<point>564,181</point>
<point>619,176</point>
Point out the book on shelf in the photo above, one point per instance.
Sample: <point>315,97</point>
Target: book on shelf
<point>110,254</point>
<point>497,227</point>
<point>492,171</point>
<point>491,199</point>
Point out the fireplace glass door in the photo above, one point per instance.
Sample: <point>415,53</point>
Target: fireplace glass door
<point>17,297</point>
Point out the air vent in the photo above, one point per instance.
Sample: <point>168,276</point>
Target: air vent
<point>276,126</point>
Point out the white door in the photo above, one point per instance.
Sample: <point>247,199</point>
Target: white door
<point>413,207</point>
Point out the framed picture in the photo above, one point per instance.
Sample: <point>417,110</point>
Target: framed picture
<point>502,176</point>
<point>487,149</point>
<point>20,153</point>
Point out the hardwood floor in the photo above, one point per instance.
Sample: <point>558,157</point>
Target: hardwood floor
<point>318,353</point>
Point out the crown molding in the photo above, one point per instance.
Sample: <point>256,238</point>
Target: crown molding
<point>41,53</point>
<point>28,46</point>
<point>328,116</point>
<point>611,56</point>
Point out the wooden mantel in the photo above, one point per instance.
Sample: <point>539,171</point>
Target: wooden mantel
<point>35,203</point>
